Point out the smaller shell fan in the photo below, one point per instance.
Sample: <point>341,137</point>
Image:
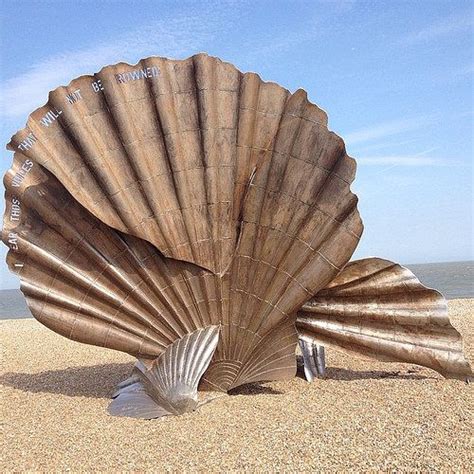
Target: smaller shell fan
<point>169,386</point>
<point>378,309</point>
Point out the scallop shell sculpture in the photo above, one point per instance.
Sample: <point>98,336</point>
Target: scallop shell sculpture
<point>175,204</point>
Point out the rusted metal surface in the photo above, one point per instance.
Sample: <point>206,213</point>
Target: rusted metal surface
<point>148,202</point>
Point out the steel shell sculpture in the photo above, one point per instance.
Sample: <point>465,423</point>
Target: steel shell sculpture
<point>201,219</point>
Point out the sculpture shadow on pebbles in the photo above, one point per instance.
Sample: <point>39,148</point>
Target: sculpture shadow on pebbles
<point>79,381</point>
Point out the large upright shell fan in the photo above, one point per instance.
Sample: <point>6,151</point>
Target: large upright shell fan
<point>158,207</point>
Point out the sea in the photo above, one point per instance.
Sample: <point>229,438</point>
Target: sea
<point>453,279</point>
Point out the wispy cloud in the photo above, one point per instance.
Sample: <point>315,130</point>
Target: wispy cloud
<point>177,36</point>
<point>424,158</point>
<point>386,129</point>
<point>401,160</point>
<point>273,40</point>
<point>453,24</point>
<point>459,74</point>
<point>361,150</point>
<point>195,29</point>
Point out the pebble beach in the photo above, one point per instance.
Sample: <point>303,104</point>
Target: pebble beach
<point>364,415</point>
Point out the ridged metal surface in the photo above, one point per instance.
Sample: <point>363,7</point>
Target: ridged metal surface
<point>169,385</point>
<point>379,309</point>
<point>237,179</point>
<point>165,149</point>
<point>314,359</point>
<point>97,285</point>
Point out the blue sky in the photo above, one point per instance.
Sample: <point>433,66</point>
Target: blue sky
<point>396,78</point>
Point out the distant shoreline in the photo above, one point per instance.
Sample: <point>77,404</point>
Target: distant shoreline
<point>455,280</point>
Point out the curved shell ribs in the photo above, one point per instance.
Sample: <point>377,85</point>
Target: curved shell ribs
<point>169,385</point>
<point>378,309</point>
<point>149,202</point>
